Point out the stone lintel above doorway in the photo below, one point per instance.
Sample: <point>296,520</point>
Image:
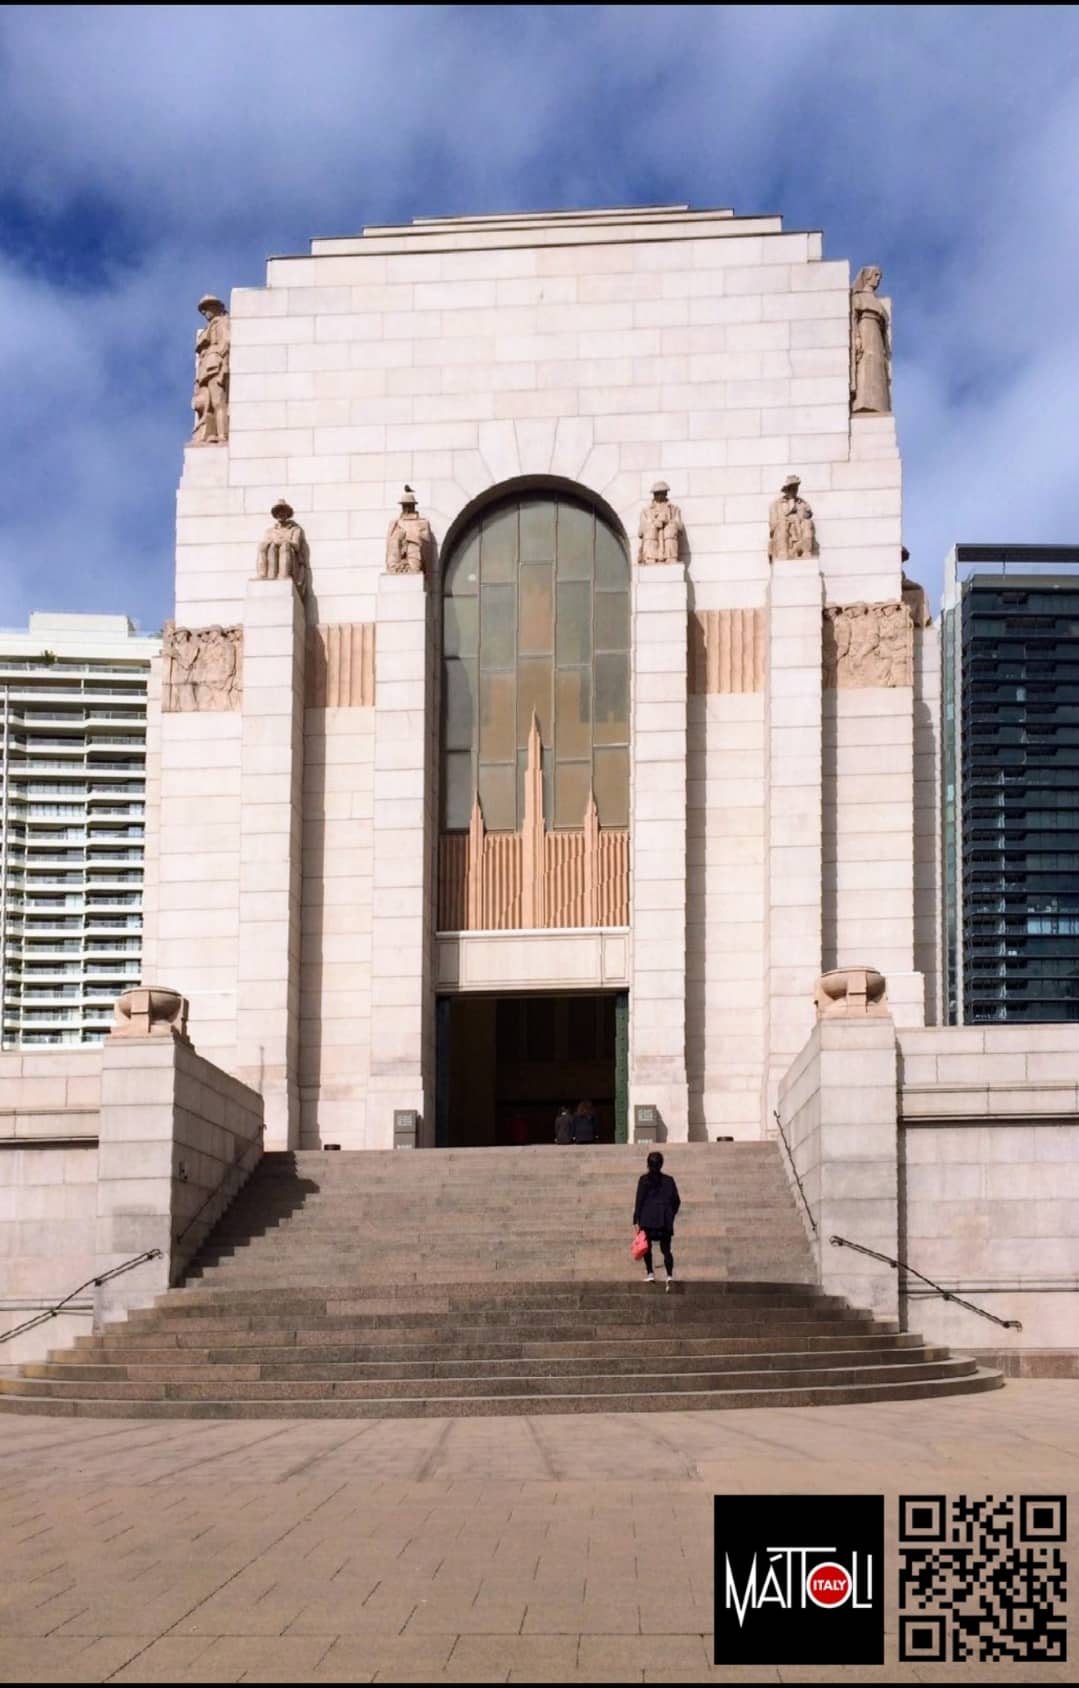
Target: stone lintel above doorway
<point>536,961</point>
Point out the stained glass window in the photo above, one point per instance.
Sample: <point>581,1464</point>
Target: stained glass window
<point>535,616</point>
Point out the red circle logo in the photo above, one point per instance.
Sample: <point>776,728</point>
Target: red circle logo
<point>828,1584</point>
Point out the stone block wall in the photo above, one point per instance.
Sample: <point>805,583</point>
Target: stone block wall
<point>105,1153</point>
<point>48,1179</point>
<point>177,1139</point>
<point>838,1108</point>
<point>955,1150</point>
<point>338,879</point>
<point>990,1181</point>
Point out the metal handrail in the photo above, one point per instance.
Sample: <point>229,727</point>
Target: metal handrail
<point>794,1169</point>
<point>946,1294</point>
<point>101,1278</point>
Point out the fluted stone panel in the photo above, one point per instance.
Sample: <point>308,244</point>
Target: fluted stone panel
<point>726,651</point>
<point>341,666</point>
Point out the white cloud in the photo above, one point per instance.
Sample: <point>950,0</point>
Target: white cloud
<point>151,153</point>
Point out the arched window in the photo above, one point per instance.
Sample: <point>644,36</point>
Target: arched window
<point>535,618</point>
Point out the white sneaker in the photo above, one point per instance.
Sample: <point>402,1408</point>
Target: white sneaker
<point>670,1281</point>
<point>650,1278</point>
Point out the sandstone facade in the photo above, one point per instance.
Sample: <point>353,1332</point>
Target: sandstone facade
<point>771,836</point>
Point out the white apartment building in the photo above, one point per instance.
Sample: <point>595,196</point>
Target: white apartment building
<point>72,823</point>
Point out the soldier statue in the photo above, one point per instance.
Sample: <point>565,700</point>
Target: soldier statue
<point>660,529</point>
<point>210,400</point>
<point>410,540</point>
<point>790,524</point>
<point>283,549</point>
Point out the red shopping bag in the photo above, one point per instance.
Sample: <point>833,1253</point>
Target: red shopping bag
<point>639,1246</point>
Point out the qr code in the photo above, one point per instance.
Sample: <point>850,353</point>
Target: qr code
<point>982,1579</point>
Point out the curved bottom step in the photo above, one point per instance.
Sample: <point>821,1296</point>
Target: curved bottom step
<point>523,1406</point>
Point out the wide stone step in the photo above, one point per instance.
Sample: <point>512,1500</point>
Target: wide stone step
<point>524,1294</point>
<point>645,1306</point>
<point>555,1327</point>
<point>307,1349</point>
<point>265,1276</point>
<point>435,1389</point>
<point>774,1394</point>
<point>367,1313</point>
<point>628,1308</point>
<point>634,1365</point>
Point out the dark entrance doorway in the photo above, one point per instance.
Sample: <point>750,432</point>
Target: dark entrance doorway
<point>506,1064</point>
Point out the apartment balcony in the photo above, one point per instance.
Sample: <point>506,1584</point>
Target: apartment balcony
<point>47,720</point>
<point>45,970</point>
<point>45,955</point>
<point>68,1038</point>
<point>69,835</point>
<point>44,995</point>
<point>42,746</point>
<point>44,689</point>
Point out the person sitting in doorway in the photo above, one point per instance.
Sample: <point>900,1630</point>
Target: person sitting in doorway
<point>584,1123</point>
<point>563,1125</point>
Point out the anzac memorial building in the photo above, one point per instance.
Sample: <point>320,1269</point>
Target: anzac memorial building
<point>546,715</point>
<point>572,787</point>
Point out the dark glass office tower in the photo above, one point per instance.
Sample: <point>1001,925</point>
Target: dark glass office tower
<point>1011,783</point>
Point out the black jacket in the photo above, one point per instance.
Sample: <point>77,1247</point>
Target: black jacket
<point>584,1128</point>
<point>657,1203</point>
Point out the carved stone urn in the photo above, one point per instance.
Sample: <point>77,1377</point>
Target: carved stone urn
<point>151,1011</point>
<point>852,993</point>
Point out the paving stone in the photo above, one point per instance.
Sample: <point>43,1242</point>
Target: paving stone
<point>686,1654</point>
<point>323,1516</point>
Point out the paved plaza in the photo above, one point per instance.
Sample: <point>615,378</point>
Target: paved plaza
<point>487,1550</point>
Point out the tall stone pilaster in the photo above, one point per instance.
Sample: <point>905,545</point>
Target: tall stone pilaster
<point>793,786</point>
<point>657,1003</point>
<point>403,829</point>
<point>271,839</point>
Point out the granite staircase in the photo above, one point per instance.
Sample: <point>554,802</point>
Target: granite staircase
<point>491,1281</point>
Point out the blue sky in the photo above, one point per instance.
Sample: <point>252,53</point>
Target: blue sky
<point>150,154</point>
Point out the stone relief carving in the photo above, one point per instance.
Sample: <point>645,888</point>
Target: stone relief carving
<point>150,1011</point>
<point>791,532</point>
<point>849,993</point>
<point>202,668</point>
<point>868,645</point>
<point>871,387</point>
<point>283,553</point>
<point>660,529</point>
<point>210,400</point>
<point>410,542</point>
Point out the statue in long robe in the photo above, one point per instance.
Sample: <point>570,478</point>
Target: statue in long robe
<point>871,386</point>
